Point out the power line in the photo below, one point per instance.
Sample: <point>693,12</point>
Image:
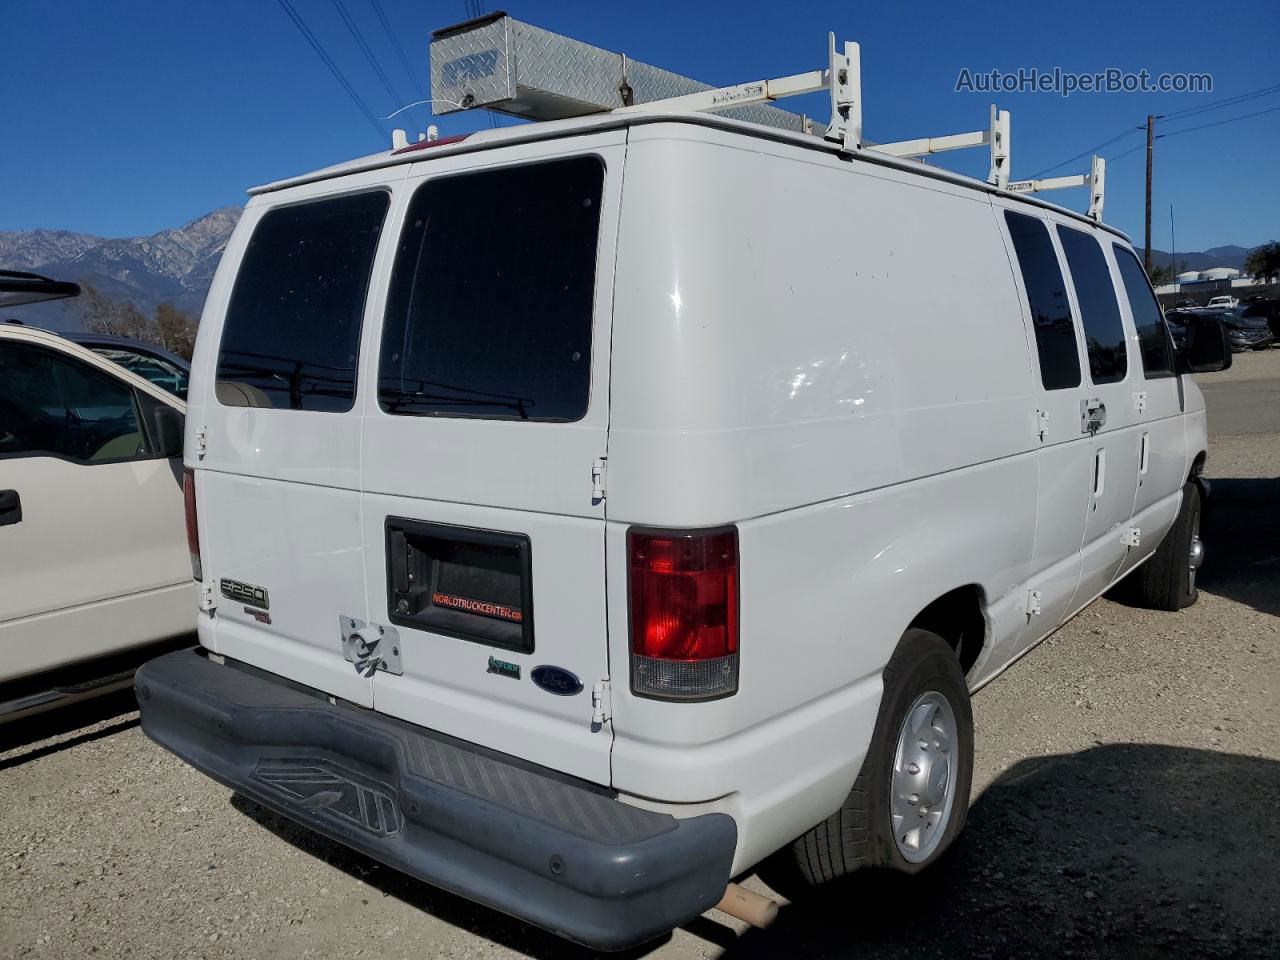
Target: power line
<point>395,43</point>
<point>1218,123</point>
<point>333,67</point>
<point>1089,152</point>
<point>341,7</point>
<point>1176,115</point>
<point>1225,102</point>
<point>1202,126</point>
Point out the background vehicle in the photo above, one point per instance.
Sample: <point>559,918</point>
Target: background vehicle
<point>93,566</point>
<point>1266,309</point>
<point>166,370</point>
<point>1246,333</point>
<point>619,506</point>
<point>1224,302</point>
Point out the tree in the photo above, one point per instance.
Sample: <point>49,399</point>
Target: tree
<point>1161,274</point>
<point>167,327</point>
<point>174,329</point>
<point>1264,261</point>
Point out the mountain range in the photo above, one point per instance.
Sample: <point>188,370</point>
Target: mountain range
<point>1228,256</point>
<point>177,265</point>
<point>173,265</point>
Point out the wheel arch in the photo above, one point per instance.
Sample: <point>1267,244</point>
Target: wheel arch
<point>959,616</point>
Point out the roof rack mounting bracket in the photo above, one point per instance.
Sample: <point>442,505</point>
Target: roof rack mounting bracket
<point>1095,180</point>
<point>997,137</point>
<point>844,79</point>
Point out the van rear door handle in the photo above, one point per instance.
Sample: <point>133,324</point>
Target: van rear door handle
<point>1093,416</point>
<point>10,507</point>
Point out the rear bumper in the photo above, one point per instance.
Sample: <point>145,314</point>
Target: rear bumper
<point>558,852</point>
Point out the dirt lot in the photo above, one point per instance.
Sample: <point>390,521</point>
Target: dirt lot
<point>1126,803</point>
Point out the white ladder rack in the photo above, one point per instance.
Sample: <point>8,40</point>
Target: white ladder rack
<point>475,64</point>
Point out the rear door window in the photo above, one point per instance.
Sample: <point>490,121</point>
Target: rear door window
<point>1099,309</point>
<point>491,302</point>
<point>1047,296</point>
<point>292,332</point>
<point>1153,337</point>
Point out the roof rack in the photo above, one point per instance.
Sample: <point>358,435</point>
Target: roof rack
<point>505,65</point>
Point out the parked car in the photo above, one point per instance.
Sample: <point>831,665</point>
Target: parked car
<point>1222,303</point>
<point>578,565</point>
<point>1246,333</point>
<point>93,561</point>
<point>1186,303</point>
<point>1268,310</point>
<point>165,369</point>
<point>1177,321</point>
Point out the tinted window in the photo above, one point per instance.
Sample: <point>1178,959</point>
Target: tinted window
<point>1099,310</point>
<point>53,404</point>
<point>292,331</point>
<point>1153,338</point>
<point>490,308</point>
<point>1047,295</point>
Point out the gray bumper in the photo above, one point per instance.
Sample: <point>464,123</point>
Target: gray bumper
<point>558,852</point>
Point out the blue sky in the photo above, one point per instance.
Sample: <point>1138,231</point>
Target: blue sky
<point>129,117</point>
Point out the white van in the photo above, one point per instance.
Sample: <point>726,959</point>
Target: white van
<point>588,509</point>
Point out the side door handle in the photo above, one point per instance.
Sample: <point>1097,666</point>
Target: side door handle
<point>1093,416</point>
<point>10,507</point>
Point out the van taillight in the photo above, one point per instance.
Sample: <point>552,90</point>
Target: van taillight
<point>193,531</point>
<point>684,613</point>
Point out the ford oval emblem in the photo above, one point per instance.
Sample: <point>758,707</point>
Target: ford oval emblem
<point>556,680</point>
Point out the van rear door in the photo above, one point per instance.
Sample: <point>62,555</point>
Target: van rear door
<point>483,537</point>
<point>278,481</point>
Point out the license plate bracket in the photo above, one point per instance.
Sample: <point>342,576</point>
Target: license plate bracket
<point>462,582</point>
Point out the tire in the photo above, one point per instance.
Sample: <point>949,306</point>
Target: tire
<point>1167,581</point>
<point>862,832</point>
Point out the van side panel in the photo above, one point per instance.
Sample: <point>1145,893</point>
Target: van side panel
<point>787,325</point>
<point>782,326</point>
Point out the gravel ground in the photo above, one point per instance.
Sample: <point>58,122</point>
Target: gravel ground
<point>1125,804</point>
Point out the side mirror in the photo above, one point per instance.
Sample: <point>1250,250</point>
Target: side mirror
<point>170,425</point>
<point>1206,347</point>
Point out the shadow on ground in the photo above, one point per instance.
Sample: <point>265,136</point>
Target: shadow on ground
<point>1127,850</point>
<point>1119,851</point>
<point>39,727</point>
<point>1242,543</point>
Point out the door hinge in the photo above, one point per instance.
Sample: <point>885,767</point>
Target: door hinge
<point>1042,424</point>
<point>1033,603</point>
<point>597,479</point>
<point>205,599</point>
<point>202,442</point>
<point>601,703</point>
<point>1140,401</point>
<point>370,646</point>
<point>1131,537</point>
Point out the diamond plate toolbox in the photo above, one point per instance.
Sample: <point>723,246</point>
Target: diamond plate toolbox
<point>513,67</point>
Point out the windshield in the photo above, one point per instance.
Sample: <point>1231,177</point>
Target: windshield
<point>162,373</point>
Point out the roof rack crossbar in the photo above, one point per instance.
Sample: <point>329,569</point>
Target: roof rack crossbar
<point>1095,180</point>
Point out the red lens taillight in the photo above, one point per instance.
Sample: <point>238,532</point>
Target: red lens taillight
<point>193,531</point>
<point>684,613</point>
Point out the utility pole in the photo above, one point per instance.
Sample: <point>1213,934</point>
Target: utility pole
<point>1173,255</point>
<point>1146,257</point>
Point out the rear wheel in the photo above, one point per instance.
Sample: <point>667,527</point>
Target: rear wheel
<point>1167,581</point>
<point>912,794</point>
